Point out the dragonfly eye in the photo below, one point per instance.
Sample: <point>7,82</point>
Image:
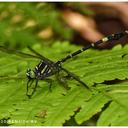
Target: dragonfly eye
<point>30,74</point>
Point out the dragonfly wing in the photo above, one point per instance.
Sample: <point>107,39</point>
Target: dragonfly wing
<point>16,52</point>
<point>26,55</point>
<point>39,55</point>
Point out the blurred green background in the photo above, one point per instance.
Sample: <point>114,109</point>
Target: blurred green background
<point>23,24</point>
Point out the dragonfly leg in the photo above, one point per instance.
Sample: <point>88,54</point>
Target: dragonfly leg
<point>34,89</point>
<point>62,80</point>
<point>49,81</point>
<point>72,75</point>
<point>29,84</point>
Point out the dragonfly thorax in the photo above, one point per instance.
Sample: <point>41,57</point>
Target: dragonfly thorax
<point>30,73</point>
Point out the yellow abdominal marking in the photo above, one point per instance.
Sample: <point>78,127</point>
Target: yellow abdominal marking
<point>105,39</point>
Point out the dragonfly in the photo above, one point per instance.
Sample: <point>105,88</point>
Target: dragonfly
<point>46,67</point>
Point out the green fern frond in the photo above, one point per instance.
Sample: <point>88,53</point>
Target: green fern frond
<point>55,108</point>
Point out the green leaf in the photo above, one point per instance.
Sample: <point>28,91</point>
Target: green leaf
<point>92,107</point>
<point>117,112</point>
<point>55,108</point>
<point>67,106</point>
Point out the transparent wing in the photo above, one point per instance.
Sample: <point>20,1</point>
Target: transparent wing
<point>26,55</point>
<point>22,54</point>
<point>39,55</point>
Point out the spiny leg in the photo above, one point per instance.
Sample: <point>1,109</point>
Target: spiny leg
<point>62,81</point>
<point>49,81</point>
<point>75,77</point>
<point>35,87</point>
<point>29,83</point>
<point>30,95</point>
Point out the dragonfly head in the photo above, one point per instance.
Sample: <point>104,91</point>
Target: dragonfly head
<point>30,74</point>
